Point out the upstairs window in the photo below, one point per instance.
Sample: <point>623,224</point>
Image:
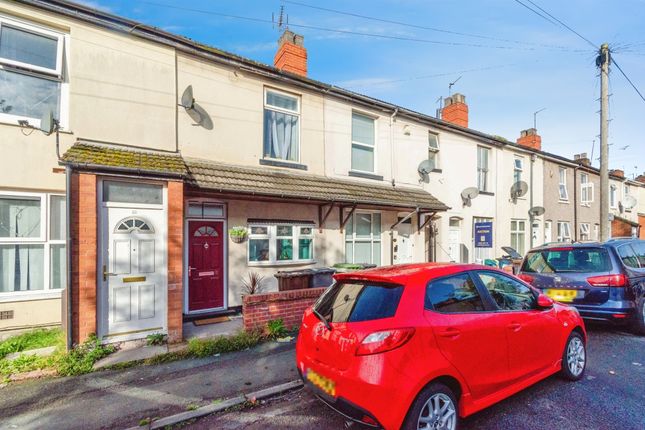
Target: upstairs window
<point>433,150</point>
<point>281,126</point>
<point>518,166</point>
<point>612,196</point>
<point>586,190</point>
<point>31,72</point>
<point>482,168</point>
<point>363,143</point>
<point>562,184</point>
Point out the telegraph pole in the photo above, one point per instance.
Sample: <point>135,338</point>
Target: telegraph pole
<point>603,61</point>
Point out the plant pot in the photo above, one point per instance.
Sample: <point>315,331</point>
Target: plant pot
<point>238,239</point>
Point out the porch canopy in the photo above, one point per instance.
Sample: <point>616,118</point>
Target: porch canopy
<point>234,181</point>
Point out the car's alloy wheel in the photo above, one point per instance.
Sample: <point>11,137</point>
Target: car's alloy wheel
<point>439,413</point>
<point>576,356</point>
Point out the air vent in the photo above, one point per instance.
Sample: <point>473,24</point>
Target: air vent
<point>6,315</point>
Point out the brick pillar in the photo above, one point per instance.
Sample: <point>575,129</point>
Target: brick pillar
<point>84,255</point>
<point>175,260</point>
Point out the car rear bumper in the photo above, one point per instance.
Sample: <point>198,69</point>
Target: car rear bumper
<point>618,312</point>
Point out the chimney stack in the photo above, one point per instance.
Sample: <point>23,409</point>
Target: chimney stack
<point>582,159</point>
<point>641,178</point>
<point>292,55</point>
<point>455,110</point>
<point>530,139</point>
<point>618,173</point>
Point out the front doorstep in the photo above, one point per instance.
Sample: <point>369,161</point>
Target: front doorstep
<point>211,314</point>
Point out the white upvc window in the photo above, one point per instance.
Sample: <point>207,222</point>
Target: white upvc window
<point>518,167</point>
<point>32,244</point>
<point>564,231</point>
<point>281,126</point>
<point>562,184</point>
<point>363,238</point>
<point>596,232</point>
<point>31,73</point>
<point>613,201</point>
<point>363,143</point>
<point>433,150</point>
<point>518,235</point>
<point>585,231</point>
<point>280,243</point>
<point>483,154</point>
<point>586,190</point>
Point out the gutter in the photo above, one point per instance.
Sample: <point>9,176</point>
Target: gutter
<point>118,169</point>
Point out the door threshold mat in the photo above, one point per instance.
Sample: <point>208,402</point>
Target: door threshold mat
<point>213,320</point>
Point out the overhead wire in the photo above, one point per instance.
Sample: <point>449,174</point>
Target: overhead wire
<point>628,80</point>
<point>536,12</point>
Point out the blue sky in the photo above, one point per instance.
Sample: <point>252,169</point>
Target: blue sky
<point>527,63</point>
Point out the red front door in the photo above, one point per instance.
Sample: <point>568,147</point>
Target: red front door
<point>205,265</point>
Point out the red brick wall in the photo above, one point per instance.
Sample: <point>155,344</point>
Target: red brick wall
<point>259,309</point>
<point>175,260</point>
<point>620,228</point>
<point>641,222</point>
<point>456,113</point>
<point>84,255</point>
<point>291,58</point>
<point>532,141</point>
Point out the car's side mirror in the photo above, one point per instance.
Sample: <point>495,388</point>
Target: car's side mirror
<point>544,302</point>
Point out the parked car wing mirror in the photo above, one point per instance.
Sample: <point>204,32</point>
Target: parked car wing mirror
<point>544,302</point>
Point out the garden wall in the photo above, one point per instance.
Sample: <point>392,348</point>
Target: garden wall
<point>259,309</point>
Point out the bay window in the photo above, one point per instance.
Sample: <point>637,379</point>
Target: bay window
<point>280,243</point>
<point>32,243</point>
<point>31,72</point>
<point>363,143</point>
<point>363,238</point>
<point>281,126</point>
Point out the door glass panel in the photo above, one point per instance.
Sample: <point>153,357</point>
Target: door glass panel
<point>127,192</point>
<point>195,209</point>
<point>456,294</point>
<point>213,211</point>
<point>362,252</point>
<point>21,268</point>
<point>376,259</point>
<point>376,226</point>
<point>508,294</point>
<point>146,256</point>
<point>121,257</point>
<point>363,225</point>
<point>19,217</point>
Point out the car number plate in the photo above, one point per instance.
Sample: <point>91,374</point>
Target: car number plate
<point>325,384</point>
<point>562,295</point>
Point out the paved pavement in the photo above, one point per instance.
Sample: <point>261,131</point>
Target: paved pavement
<point>611,396</point>
<point>120,399</point>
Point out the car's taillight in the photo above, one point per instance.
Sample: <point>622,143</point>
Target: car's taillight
<point>526,278</point>
<point>619,280</point>
<point>386,340</point>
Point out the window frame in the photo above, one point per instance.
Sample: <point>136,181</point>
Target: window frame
<point>483,170</point>
<point>517,232</point>
<point>434,151</point>
<point>585,226</point>
<point>586,190</point>
<point>562,185</point>
<point>45,240</point>
<point>363,145</point>
<point>559,237</point>
<point>487,300</point>
<point>273,238</point>
<point>56,74</point>
<point>372,239</point>
<point>613,196</point>
<point>518,169</point>
<point>298,113</point>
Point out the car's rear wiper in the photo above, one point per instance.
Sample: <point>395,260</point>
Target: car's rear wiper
<point>322,318</point>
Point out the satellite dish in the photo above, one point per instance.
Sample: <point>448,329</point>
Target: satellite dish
<point>519,189</point>
<point>47,123</point>
<point>468,194</point>
<point>187,99</point>
<point>424,169</point>
<point>197,113</point>
<point>536,211</point>
<point>630,202</point>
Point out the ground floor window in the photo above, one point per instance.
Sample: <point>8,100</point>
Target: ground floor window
<point>585,232</point>
<point>363,238</point>
<point>481,254</point>
<point>32,242</point>
<point>564,231</point>
<point>280,243</point>
<point>518,235</point>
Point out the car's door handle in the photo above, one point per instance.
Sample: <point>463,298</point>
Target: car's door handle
<point>515,326</point>
<point>449,332</point>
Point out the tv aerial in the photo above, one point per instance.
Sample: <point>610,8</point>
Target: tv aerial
<point>424,169</point>
<point>197,113</point>
<point>452,84</point>
<point>468,194</point>
<point>536,211</point>
<point>519,189</point>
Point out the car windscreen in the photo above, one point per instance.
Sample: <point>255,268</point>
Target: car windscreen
<point>354,301</point>
<point>559,260</point>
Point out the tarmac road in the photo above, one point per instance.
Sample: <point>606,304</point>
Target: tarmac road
<point>611,396</point>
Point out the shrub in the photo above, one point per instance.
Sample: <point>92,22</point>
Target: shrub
<point>276,328</point>
<point>207,347</point>
<point>81,358</point>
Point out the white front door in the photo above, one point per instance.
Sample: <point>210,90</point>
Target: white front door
<point>547,232</point>
<point>404,246</point>
<point>133,272</point>
<point>454,244</point>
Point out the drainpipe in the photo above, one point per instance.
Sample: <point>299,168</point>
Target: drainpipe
<point>531,216</point>
<point>68,249</point>
<point>575,203</point>
<point>396,111</point>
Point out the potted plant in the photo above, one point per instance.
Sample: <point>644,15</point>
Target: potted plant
<point>238,234</point>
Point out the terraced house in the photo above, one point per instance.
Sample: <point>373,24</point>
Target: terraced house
<point>187,168</point>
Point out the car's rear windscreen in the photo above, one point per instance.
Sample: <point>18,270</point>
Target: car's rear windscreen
<point>354,301</point>
<point>559,260</point>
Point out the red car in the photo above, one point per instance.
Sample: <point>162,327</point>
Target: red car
<point>419,346</point>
